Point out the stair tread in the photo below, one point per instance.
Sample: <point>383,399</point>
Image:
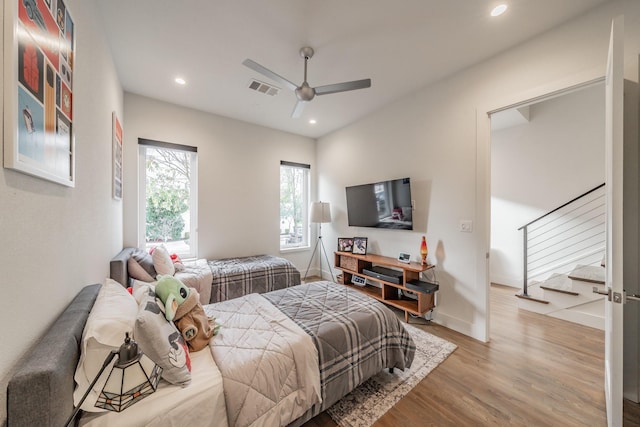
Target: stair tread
<point>531,298</point>
<point>560,282</point>
<point>563,291</point>
<point>588,273</point>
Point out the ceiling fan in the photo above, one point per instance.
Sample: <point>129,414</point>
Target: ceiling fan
<point>304,92</point>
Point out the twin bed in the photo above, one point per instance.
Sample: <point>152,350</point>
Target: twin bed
<point>223,279</point>
<point>280,358</point>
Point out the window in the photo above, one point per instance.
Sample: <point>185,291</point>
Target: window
<point>294,205</point>
<point>168,197</point>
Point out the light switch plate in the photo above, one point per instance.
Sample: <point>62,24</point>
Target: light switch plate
<point>466,225</point>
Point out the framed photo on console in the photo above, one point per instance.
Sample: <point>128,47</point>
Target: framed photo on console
<point>345,244</point>
<point>360,245</point>
<point>404,257</point>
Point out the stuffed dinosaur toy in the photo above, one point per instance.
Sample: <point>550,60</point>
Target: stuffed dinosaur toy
<point>182,306</point>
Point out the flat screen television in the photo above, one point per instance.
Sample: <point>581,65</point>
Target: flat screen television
<point>385,204</point>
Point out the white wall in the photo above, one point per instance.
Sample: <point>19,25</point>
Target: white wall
<point>238,176</point>
<point>539,165</point>
<point>440,137</point>
<point>56,239</point>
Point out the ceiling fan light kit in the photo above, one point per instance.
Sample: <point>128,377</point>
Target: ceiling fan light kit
<point>304,92</point>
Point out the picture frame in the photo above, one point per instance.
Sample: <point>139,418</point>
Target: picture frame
<point>360,245</point>
<point>404,257</point>
<point>345,244</point>
<point>117,157</point>
<point>39,50</point>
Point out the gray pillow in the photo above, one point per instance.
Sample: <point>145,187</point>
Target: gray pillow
<point>145,260</point>
<point>161,341</point>
<point>138,272</point>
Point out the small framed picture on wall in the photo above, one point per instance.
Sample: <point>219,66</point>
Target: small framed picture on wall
<point>345,244</point>
<point>360,245</point>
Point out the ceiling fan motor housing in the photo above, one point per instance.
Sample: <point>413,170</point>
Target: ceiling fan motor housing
<point>305,92</point>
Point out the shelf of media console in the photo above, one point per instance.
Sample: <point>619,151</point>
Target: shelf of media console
<point>414,285</point>
<point>410,294</point>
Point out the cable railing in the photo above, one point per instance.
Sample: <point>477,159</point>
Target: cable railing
<point>571,234</point>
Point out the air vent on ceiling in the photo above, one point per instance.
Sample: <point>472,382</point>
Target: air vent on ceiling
<point>263,87</point>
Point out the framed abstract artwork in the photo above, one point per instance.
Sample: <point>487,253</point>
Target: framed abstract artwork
<point>39,49</point>
<point>117,157</point>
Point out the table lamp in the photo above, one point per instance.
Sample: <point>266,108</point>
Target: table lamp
<point>132,378</point>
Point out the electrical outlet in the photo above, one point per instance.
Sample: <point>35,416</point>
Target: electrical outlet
<point>466,226</point>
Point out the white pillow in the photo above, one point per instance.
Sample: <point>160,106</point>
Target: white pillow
<point>162,262</point>
<point>113,314</point>
<point>141,289</point>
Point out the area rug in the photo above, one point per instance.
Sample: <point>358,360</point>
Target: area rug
<point>371,399</point>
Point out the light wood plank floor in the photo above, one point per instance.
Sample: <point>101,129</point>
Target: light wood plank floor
<point>536,371</point>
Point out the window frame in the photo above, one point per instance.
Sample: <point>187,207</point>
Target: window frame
<point>143,145</point>
<point>304,205</point>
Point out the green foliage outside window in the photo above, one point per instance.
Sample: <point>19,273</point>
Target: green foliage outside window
<point>292,190</point>
<point>167,191</point>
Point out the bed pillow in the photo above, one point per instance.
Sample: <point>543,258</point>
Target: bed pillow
<point>138,272</point>
<point>113,314</point>
<point>145,260</point>
<point>140,290</point>
<point>161,341</point>
<point>162,261</point>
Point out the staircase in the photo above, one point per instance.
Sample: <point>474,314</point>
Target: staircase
<point>569,296</point>
<point>563,252</point>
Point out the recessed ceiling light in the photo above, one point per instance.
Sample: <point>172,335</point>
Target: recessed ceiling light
<point>499,10</point>
<point>312,121</point>
<point>180,81</point>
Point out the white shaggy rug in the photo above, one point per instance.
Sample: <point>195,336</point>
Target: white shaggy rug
<point>371,399</point>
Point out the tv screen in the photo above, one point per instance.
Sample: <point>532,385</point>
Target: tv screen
<point>385,204</point>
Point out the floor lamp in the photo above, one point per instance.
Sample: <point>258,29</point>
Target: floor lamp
<point>320,213</point>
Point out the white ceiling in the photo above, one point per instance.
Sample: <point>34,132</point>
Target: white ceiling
<point>402,45</point>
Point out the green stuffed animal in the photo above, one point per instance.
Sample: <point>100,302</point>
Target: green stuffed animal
<point>173,293</point>
<point>182,306</point>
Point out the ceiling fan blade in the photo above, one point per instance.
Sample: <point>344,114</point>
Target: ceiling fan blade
<point>297,110</point>
<point>266,72</point>
<point>342,87</point>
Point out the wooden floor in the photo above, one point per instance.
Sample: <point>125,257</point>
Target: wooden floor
<point>536,371</point>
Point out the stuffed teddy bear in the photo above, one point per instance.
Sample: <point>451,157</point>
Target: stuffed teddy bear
<point>182,306</point>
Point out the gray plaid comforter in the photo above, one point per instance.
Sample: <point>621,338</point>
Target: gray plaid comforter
<point>356,336</point>
<point>235,277</point>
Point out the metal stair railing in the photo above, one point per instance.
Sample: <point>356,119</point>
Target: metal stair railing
<point>565,236</point>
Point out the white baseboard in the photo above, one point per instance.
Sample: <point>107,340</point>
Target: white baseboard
<point>459,325</point>
<point>499,279</point>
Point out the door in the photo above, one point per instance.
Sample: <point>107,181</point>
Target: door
<point>614,144</point>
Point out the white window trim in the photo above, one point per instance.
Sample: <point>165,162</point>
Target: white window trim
<point>142,198</point>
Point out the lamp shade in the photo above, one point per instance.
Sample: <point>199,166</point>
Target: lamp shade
<point>320,212</point>
<point>133,377</point>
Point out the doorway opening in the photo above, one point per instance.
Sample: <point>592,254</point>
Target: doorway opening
<point>547,203</point>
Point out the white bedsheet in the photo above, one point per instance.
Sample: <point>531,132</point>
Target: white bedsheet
<point>199,404</point>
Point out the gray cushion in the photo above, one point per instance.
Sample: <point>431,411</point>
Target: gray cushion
<point>161,341</point>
